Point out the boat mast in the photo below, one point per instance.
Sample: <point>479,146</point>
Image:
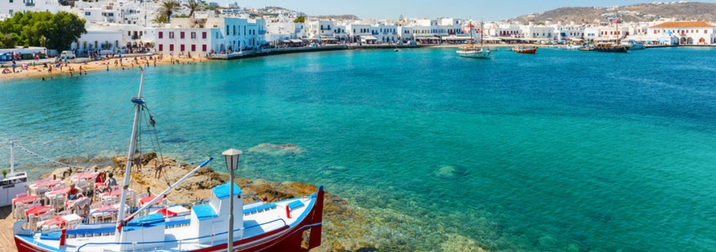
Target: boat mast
<point>481,31</point>
<point>138,102</point>
<point>12,157</point>
<point>617,25</point>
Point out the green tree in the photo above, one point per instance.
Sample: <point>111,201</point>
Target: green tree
<point>30,29</point>
<point>168,8</point>
<point>160,19</point>
<point>194,6</point>
<point>299,19</point>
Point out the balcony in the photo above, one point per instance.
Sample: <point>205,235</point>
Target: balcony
<point>30,4</point>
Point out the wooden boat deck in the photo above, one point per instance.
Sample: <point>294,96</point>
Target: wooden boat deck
<point>7,242</point>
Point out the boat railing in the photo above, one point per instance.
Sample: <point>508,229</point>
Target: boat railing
<point>92,246</point>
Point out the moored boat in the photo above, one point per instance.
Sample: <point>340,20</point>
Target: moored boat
<point>525,50</point>
<point>207,226</point>
<point>613,46</point>
<point>472,51</point>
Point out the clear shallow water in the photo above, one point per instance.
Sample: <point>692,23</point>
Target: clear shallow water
<point>558,151</point>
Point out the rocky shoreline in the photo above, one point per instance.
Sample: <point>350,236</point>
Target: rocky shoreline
<point>340,223</point>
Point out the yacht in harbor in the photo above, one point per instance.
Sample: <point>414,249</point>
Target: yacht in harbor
<point>472,51</point>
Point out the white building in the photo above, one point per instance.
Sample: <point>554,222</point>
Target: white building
<point>211,35</point>
<point>686,33</point>
<point>10,7</point>
<point>106,38</point>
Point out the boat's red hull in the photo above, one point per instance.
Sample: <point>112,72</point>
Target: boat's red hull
<point>283,239</point>
<point>527,51</point>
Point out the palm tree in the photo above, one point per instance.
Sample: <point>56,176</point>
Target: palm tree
<point>168,8</point>
<point>194,6</point>
<point>160,19</point>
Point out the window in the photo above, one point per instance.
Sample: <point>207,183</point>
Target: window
<point>87,13</point>
<point>171,47</point>
<point>171,36</point>
<point>193,35</point>
<point>161,34</point>
<point>182,47</point>
<point>129,33</point>
<point>193,47</point>
<point>10,11</point>
<point>203,48</point>
<point>161,47</point>
<point>111,14</point>
<point>227,30</point>
<point>181,36</point>
<point>234,29</point>
<point>203,35</point>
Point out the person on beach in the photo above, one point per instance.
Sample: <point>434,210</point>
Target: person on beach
<point>73,193</point>
<point>137,159</point>
<point>13,66</point>
<point>158,171</point>
<point>111,181</point>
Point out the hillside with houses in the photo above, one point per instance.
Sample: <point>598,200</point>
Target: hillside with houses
<point>648,12</point>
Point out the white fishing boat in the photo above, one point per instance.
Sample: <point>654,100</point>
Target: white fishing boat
<point>472,51</point>
<point>207,226</point>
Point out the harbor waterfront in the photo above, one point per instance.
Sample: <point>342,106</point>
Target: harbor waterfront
<point>557,151</point>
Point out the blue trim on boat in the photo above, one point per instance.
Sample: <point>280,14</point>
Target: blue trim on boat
<point>206,162</point>
<point>137,100</point>
<point>178,222</point>
<point>295,204</point>
<point>53,235</point>
<point>222,191</point>
<point>32,241</point>
<point>85,231</point>
<point>310,206</point>
<point>204,212</point>
<point>257,208</point>
<point>147,220</point>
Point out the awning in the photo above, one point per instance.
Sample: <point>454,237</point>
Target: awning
<point>327,38</point>
<point>456,38</point>
<point>575,39</point>
<point>368,38</point>
<point>491,39</point>
<point>296,41</point>
<point>285,41</point>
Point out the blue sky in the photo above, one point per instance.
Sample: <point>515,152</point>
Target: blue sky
<point>391,9</point>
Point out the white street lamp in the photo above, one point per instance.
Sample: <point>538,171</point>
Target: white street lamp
<point>232,161</point>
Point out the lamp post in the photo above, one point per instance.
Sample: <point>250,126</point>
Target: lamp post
<point>232,161</point>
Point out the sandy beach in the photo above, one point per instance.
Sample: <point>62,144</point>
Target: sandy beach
<point>78,67</point>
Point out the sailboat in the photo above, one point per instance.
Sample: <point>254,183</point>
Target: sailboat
<point>471,51</point>
<point>613,46</point>
<point>259,226</point>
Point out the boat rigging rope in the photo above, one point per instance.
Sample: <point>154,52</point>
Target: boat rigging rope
<point>175,128</point>
<point>44,158</point>
<point>119,102</point>
<point>117,128</point>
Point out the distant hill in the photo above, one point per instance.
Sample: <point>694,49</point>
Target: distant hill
<point>631,13</point>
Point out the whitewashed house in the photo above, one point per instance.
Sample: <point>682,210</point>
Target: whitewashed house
<point>210,35</point>
<point>8,8</point>
<point>687,33</point>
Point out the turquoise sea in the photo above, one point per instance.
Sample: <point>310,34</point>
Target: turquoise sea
<point>558,151</point>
